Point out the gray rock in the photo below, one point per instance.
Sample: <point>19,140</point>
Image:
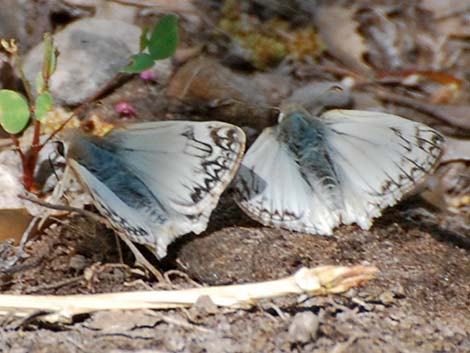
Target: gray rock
<point>203,306</point>
<point>92,51</point>
<point>13,19</point>
<point>304,327</point>
<point>174,343</point>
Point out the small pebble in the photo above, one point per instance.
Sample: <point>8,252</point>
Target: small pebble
<point>304,327</point>
<point>203,306</point>
<point>398,291</point>
<point>387,298</point>
<point>174,343</point>
<point>78,262</point>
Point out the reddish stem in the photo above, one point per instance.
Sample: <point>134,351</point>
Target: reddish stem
<point>17,145</point>
<point>30,160</point>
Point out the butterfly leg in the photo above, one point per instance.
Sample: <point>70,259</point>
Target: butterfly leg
<point>140,259</point>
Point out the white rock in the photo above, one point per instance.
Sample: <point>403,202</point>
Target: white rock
<point>92,51</point>
<point>304,327</point>
<point>10,180</point>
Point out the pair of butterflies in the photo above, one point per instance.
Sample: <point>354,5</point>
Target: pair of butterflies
<point>159,180</point>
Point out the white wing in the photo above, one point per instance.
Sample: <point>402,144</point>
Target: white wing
<point>270,189</point>
<point>362,162</point>
<point>380,158</point>
<point>159,180</point>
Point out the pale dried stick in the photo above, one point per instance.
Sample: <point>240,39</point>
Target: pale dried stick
<point>317,281</point>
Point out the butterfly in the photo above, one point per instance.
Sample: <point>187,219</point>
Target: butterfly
<point>311,174</point>
<point>156,181</point>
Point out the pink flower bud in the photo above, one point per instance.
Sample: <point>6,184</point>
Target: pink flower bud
<point>124,109</point>
<point>147,75</point>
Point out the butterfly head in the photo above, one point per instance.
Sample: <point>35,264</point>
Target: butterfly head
<point>291,109</point>
<point>67,139</point>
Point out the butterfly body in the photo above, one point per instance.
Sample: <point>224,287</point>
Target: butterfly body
<point>100,158</point>
<point>305,139</point>
<point>157,181</point>
<point>311,174</point>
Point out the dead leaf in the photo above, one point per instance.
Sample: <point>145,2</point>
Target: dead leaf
<point>442,87</point>
<point>163,6</point>
<point>454,115</point>
<point>13,223</point>
<point>208,86</point>
<point>339,31</point>
<point>456,149</point>
<point>449,16</point>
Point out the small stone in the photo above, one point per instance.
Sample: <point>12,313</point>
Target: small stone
<point>77,262</point>
<point>387,298</point>
<point>379,308</point>
<point>174,343</point>
<point>398,291</point>
<point>204,306</point>
<point>304,327</point>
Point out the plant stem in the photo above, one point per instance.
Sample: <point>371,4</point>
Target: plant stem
<point>16,142</point>
<point>30,160</point>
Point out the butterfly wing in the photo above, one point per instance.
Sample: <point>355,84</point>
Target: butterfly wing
<point>379,158</point>
<point>270,188</point>
<point>159,180</point>
<point>342,168</point>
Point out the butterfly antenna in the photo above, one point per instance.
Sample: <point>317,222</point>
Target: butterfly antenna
<point>117,79</point>
<point>74,114</point>
<point>220,102</point>
<point>56,131</point>
<point>58,207</point>
<point>227,101</point>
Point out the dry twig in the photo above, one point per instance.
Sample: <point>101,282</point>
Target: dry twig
<point>317,281</point>
<point>455,116</point>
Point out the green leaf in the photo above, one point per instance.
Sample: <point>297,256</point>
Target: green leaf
<point>14,111</point>
<point>49,61</point>
<point>39,82</point>
<point>43,105</point>
<point>144,38</point>
<point>164,38</point>
<point>140,62</point>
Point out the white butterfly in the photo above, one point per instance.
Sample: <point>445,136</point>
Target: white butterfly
<point>310,174</point>
<point>156,181</point>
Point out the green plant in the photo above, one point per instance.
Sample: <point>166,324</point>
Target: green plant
<point>15,112</point>
<point>158,44</point>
